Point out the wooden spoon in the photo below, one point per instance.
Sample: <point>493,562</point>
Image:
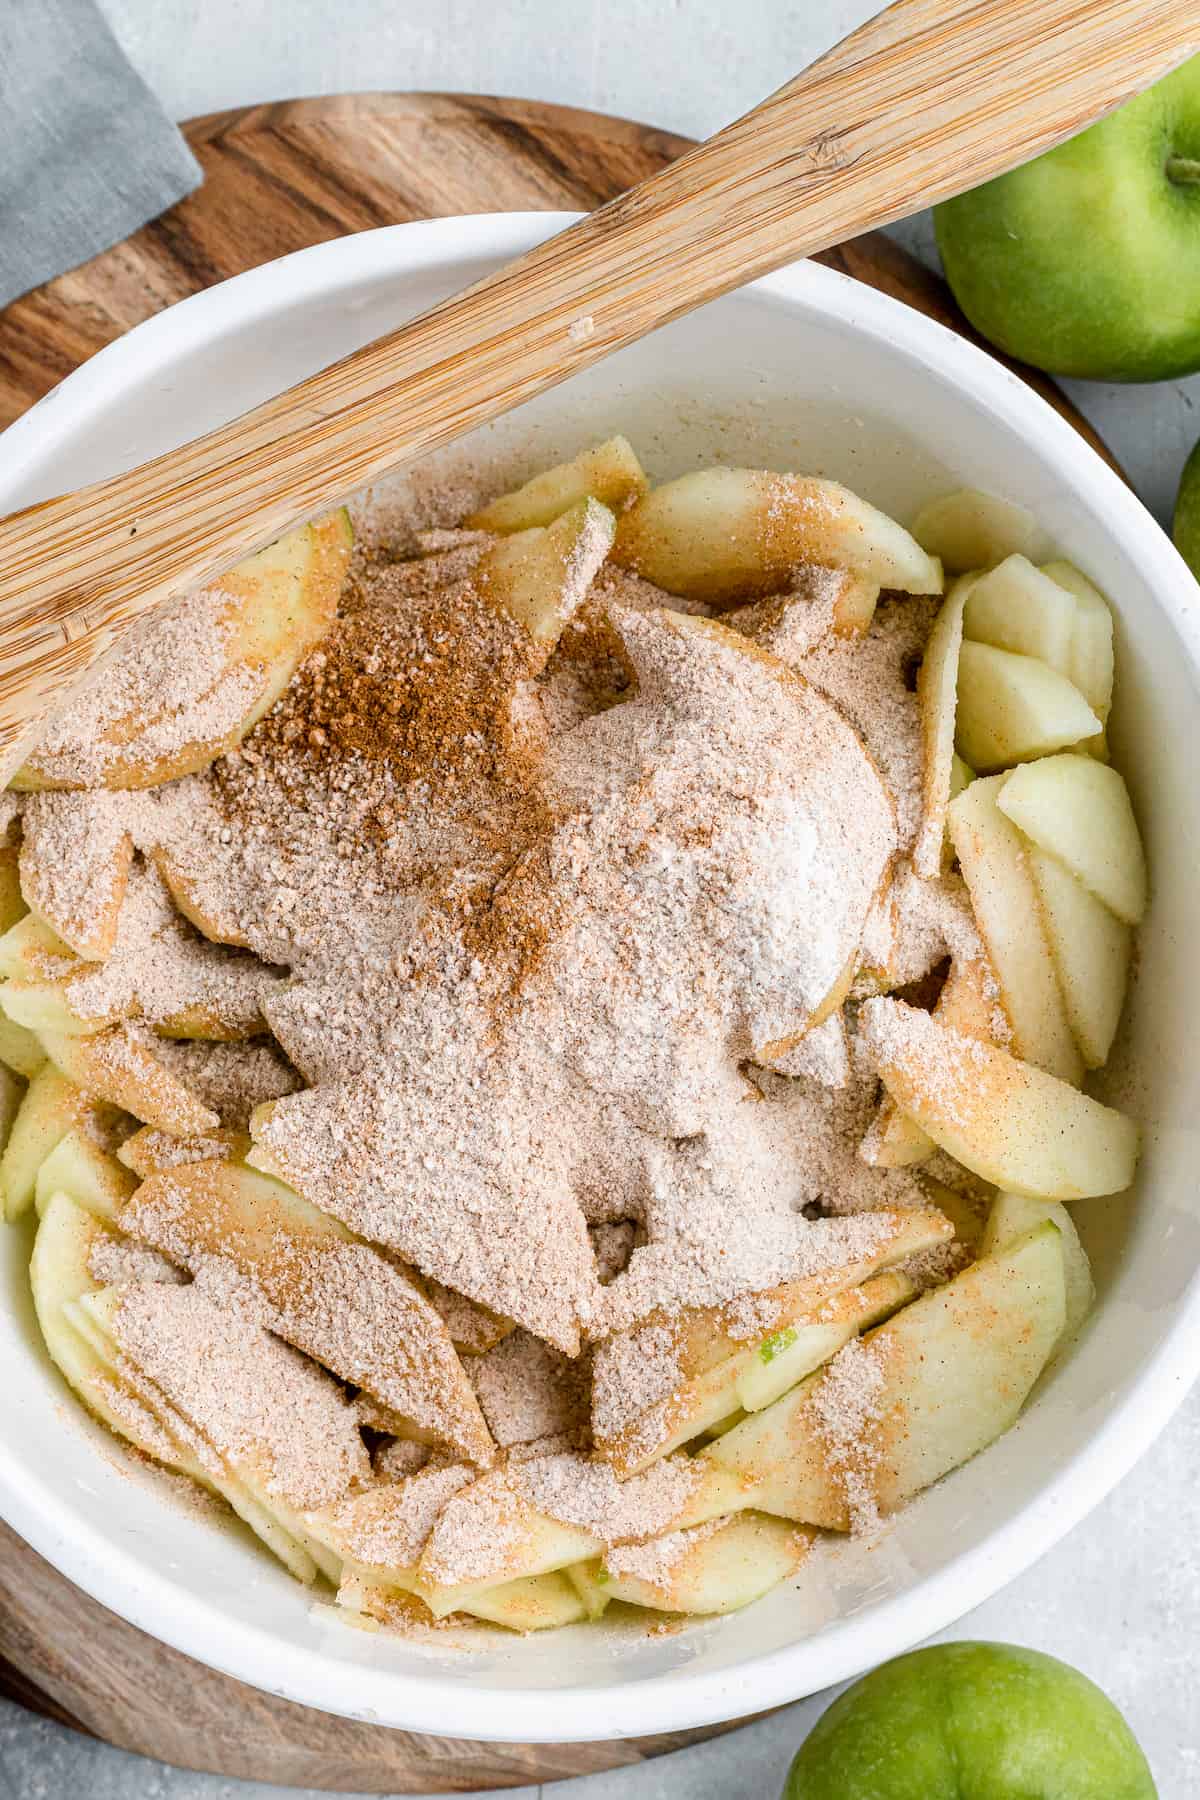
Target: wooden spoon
<point>929,98</point>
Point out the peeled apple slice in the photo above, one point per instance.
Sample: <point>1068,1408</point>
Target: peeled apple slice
<point>1004,898</point>
<point>937,698</point>
<point>276,605</point>
<point>972,530</point>
<point>610,473</point>
<point>737,534</point>
<point>1091,948</point>
<point>540,576</point>
<point>1091,667</point>
<point>947,1375</point>
<point>1011,1216</point>
<point>1005,1120</point>
<point>707,1570</point>
<point>1012,708</point>
<point>1016,607</point>
<point>1079,811</point>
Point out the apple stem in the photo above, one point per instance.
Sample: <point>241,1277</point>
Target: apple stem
<point>1184,170</point>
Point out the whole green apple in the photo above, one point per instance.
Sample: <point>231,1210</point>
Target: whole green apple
<point>1087,260</point>
<point>971,1722</point>
<point>1186,526</point>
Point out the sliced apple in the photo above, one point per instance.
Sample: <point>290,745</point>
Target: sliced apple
<point>338,1299</point>
<point>87,1174</point>
<point>1091,665</point>
<point>937,697</point>
<point>1016,607</point>
<point>51,1107</point>
<point>996,870</point>
<point>509,1539</point>
<point>591,1583</point>
<point>782,1360</point>
<point>270,610</point>
<point>938,1382</point>
<point>1079,811</point>
<point>1011,708</point>
<point>116,1066</point>
<point>710,1569</point>
<point>1091,948</point>
<point>709,1347</point>
<point>537,1603</point>
<point>30,950</point>
<point>610,473</point>
<point>1011,1217</point>
<point>76,853</point>
<point>13,904</point>
<point>1005,1120</point>
<point>540,576</point>
<point>151,1152</point>
<point>20,1050</point>
<point>972,530</point>
<point>736,534</point>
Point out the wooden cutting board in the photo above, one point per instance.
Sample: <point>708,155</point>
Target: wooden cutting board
<point>278,178</point>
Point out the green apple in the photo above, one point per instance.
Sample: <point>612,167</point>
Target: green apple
<point>1086,261</point>
<point>1186,527</point>
<point>971,1722</point>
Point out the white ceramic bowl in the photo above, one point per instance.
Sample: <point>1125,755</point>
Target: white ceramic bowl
<point>809,371</point>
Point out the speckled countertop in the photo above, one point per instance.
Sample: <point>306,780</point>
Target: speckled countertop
<point>1121,1596</point>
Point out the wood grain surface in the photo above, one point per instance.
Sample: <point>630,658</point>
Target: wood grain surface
<point>278,178</point>
<point>924,100</point>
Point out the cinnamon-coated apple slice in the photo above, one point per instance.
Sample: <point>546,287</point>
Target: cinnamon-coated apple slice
<point>1011,1217</point>
<point>709,1569</point>
<point>540,576</point>
<point>609,472</point>
<point>939,1381</point>
<point>262,618</point>
<point>1005,1120</point>
<point>937,698</point>
<point>724,535</point>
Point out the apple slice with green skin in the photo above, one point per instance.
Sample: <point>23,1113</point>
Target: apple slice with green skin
<point>1011,1217</point>
<point>724,535</point>
<point>609,473</point>
<point>1012,708</point>
<point>786,1357</point>
<point>51,1107</point>
<point>1005,1120</point>
<point>1016,607</point>
<point>949,1374</point>
<point>87,1174</point>
<point>540,576</point>
<point>270,610</point>
<point>336,1298</point>
<point>995,867</point>
<point>710,1569</point>
<point>1079,811</point>
<point>937,698</point>
<point>116,1066</point>
<point>987,1720</point>
<point>1091,948</point>
<point>709,1347</point>
<point>973,530</point>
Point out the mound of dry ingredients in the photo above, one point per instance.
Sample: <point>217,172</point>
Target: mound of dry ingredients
<point>531,938</point>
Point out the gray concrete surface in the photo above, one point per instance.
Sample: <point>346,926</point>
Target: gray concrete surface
<point>1121,1596</point>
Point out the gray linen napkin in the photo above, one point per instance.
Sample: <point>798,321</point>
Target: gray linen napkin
<point>86,152</point>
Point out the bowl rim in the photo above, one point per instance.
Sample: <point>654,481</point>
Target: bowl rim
<point>684,1697</point>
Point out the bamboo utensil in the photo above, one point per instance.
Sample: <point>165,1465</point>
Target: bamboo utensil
<point>927,99</point>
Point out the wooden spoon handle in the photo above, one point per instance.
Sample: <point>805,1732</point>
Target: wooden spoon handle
<point>927,99</point>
